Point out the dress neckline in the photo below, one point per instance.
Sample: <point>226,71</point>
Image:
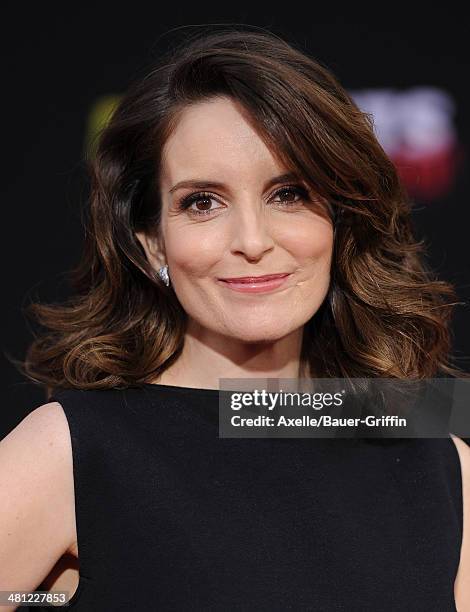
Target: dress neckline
<point>180,389</point>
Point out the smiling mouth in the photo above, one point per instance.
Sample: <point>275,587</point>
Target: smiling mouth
<point>256,284</point>
<point>255,279</point>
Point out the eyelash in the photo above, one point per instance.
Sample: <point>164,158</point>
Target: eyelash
<point>190,199</point>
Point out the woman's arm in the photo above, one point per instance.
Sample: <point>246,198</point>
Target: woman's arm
<point>37,515</point>
<point>462,582</point>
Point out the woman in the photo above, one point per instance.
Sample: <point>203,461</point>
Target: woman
<point>236,157</point>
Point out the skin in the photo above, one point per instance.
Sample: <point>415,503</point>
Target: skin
<point>250,231</point>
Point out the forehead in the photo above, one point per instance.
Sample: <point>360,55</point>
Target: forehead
<point>214,137</point>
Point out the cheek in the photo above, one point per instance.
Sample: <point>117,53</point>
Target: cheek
<point>192,252</point>
<point>309,240</point>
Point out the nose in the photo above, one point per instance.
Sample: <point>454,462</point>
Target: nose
<point>251,232</point>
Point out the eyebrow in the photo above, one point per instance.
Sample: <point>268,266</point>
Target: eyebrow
<point>207,184</point>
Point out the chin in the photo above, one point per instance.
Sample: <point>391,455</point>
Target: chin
<point>262,333</point>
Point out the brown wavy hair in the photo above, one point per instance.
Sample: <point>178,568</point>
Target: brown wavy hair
<point>385,314</point>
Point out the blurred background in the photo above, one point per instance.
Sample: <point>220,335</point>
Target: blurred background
<point>64,74</point>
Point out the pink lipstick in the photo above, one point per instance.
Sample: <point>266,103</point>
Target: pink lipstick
<point>255,284</point>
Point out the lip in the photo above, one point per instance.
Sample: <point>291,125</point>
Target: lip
<point>255,284</point>
<point>255,279</point>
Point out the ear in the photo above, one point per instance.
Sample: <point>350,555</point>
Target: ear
<point>153,247</point>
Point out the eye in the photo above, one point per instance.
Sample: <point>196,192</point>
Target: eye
<point>291,191</point>
<point>197,198</point>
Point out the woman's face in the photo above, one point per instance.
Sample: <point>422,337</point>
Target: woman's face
<point>241,224</point>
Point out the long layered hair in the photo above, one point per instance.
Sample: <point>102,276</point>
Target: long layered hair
<point>385,314</point>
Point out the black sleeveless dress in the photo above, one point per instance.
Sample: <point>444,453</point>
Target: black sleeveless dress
<point>171,517</point>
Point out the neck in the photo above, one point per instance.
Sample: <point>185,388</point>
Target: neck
<point>206,357</point>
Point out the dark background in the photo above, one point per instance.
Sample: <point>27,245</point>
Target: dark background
<point>55,68</point>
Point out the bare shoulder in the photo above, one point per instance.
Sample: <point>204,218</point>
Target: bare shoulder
<point>462,582</point>
<point>45,420</point>
<point>37,514</point>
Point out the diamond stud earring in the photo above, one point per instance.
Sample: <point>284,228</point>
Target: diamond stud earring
<point>163,274</point>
